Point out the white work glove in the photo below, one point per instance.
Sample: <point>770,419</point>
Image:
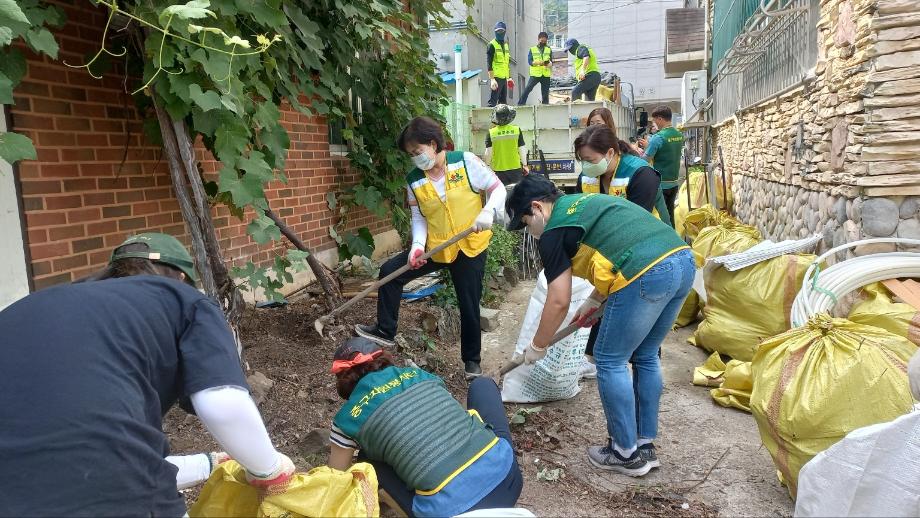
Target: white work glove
<point>585,315</point>
<point>493,84</point>
<point>581,77</point>
<point>533,354</point>
<point>913,375</point>
<point>483,220</point>
<point>277,481</point>
<point>216,458</point>
<point>415,253</point>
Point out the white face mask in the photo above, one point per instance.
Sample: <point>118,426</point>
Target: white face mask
<point>594,170</point>
<point>423,160</point>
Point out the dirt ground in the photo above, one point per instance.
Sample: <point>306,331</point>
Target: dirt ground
<point>712,458</point>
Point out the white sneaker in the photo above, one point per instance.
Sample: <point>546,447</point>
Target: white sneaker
<point>587,370</point>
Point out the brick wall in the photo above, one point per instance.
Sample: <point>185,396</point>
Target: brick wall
<point>97,179</point>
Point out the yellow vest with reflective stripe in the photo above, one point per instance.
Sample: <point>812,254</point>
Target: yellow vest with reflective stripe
<point>505,156</point>
<point>448,218</point>
<point>501,61</point>
<point>592,61</point>
<point>541,70</point>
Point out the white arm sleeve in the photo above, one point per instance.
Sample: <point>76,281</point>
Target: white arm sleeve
<point>496,201</point>
<point>488,155</point>
<point>233,420</point>
<point>193,469</point>
<point>522,151</point>
<point>419,226</point>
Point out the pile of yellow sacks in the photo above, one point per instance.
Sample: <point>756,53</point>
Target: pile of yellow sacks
<point>698,197</point>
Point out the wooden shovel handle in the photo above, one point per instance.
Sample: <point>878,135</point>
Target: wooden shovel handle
<point>351,302</point>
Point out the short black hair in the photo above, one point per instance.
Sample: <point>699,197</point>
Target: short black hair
<point>542,35</point>
<point>662,112</point>
<point>421,130</point>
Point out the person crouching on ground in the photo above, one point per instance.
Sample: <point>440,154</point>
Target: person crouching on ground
<point>432,456</point>
<point>444,193</point>
<point>644,272</point>
<point>87,372</point>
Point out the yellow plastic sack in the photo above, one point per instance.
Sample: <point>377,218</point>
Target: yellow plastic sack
<point>690,311</point>
<point>710,373</point>
<point>737,383</point>
<point>818,382</point>
<point>878,309</point>
<point>705,216</point>
<point>696,183</point>
<point>749,305</point>
<point>728,237</point>
<point>323,492</point>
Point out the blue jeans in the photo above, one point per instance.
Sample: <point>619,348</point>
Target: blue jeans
<point>635,322</point>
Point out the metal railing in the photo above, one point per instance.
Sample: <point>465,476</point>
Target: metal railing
<point>775,51</point>
<point>458,124</point>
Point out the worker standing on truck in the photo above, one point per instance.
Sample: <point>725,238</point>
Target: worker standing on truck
<point>540,59</point>
<point>506,151</point>
<point>664,150</point>
<point>498,61</point>
<point>82,400</point>
<point>586,71</point>
<point>443,192</point>
<point>432,456</point>
<point>644,271</point>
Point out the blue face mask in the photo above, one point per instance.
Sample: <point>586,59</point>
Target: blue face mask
<point>499,36</point>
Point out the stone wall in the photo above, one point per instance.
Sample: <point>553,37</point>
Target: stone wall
<point>840,154</point>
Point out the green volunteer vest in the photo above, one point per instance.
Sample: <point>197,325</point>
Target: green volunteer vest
<point>667,158</point>
<point>545,56</point>
<point>501,62</point>
<point>592,60</point>
<point>626,168</point>
<point>505,156</point>
<point>620,242</point>
<point>406,418</point>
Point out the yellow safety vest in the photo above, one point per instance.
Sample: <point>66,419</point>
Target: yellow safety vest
<point>592,61</point>
<point>505,156</point>
<point>501,61</point>
<point>541,70</point>
<point>448,218</point>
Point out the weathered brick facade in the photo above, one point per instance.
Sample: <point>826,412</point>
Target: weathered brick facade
<point>97,179</point>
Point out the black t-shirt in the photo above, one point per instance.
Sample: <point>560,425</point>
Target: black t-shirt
<point>557,248</point>
<point>87,372</point>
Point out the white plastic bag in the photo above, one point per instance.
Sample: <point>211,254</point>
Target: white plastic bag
<point>873,471</point>
<point>554,377</point>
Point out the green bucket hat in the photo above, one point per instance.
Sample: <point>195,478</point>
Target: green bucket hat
<point>161,248</point>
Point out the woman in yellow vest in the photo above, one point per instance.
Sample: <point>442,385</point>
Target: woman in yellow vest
<point>445,196</point>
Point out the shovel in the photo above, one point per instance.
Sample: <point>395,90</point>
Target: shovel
<point>518,359</point>
<point>321,321</point>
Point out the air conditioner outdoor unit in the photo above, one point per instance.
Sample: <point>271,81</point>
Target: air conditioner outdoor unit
<point>692,93</point>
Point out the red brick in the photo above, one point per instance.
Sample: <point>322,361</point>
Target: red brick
<point>60,171</point>
<point>103,227</point>
<point>42,268</point>
<point>100,257</point>
<point>158,193</point>
<point>78,216</point>
<point>108,126</point>
<point>33,203</point>
<point>63,202</point>
<point>45,219</point>
<point>88,110</point>
<point>47,282</point>
<point>70,263</point>
<point>92,139</point>
<point>51,106</point>
<point>142,209</point>
<point>44,251</point>
<point>81,154</point>
<point>68,93</point>
<point>160,219</point>
<point>32,88</point>
<point>29,121</point>
<point>116,212</point>
<point>56,139</point>
<point>72,124</point>
<point>92,243</point>
<point>40,187</point>
<point>140,182</point>
<point>129,196</point>
<point>131,224</point>
<point>113,183</point>
<point>83,184</point>
<point>96,198</point>
<point>44,154</point>
<point>21,104</point>
<point>96,169</point>
<point>113,240</point>
<point>37,236</point>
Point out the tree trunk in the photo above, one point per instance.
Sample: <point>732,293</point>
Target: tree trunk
<point>330,286</point>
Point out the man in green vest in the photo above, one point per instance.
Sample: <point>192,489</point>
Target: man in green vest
<point>586,70</point>
<point>541,62</point>
<point>506,151</point>
<point>498,60</point>
<point>663,151</point>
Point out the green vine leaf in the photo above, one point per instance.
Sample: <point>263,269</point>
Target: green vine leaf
<point>298,259</point>
<point>15,147</point>
<point>6,89</point>
<point>208,101</point>
<point>41,40</point>
<point>6,36</point>
<point>263,230</point>
<point>361,243</point>
<point>9,9</point>
<point>193,10</point>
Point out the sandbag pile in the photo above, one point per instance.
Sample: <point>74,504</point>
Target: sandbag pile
<point>876,308</point>
<point>816,383</point>
<point>732,381</point>
<point>696,184</point>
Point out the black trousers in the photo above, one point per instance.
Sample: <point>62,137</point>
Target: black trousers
<point>531,83</point>
<point>587,86</point>
<point>511,176</point>
<point>499,96</point>
<point>484,397</point>
<point>670,196</point>
<point>466,272</point>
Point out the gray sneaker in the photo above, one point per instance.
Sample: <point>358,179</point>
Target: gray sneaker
<point>372,333</point>
<point>647,452</point>
<point>605,457</point>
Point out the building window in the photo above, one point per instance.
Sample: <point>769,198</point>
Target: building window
<point>338,144</point>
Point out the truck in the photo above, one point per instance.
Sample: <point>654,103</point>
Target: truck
<point>549,132</point>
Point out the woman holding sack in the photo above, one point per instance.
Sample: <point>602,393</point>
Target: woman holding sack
<point>644,272</point>
<point>432,456</point>
<point>445,194</point>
